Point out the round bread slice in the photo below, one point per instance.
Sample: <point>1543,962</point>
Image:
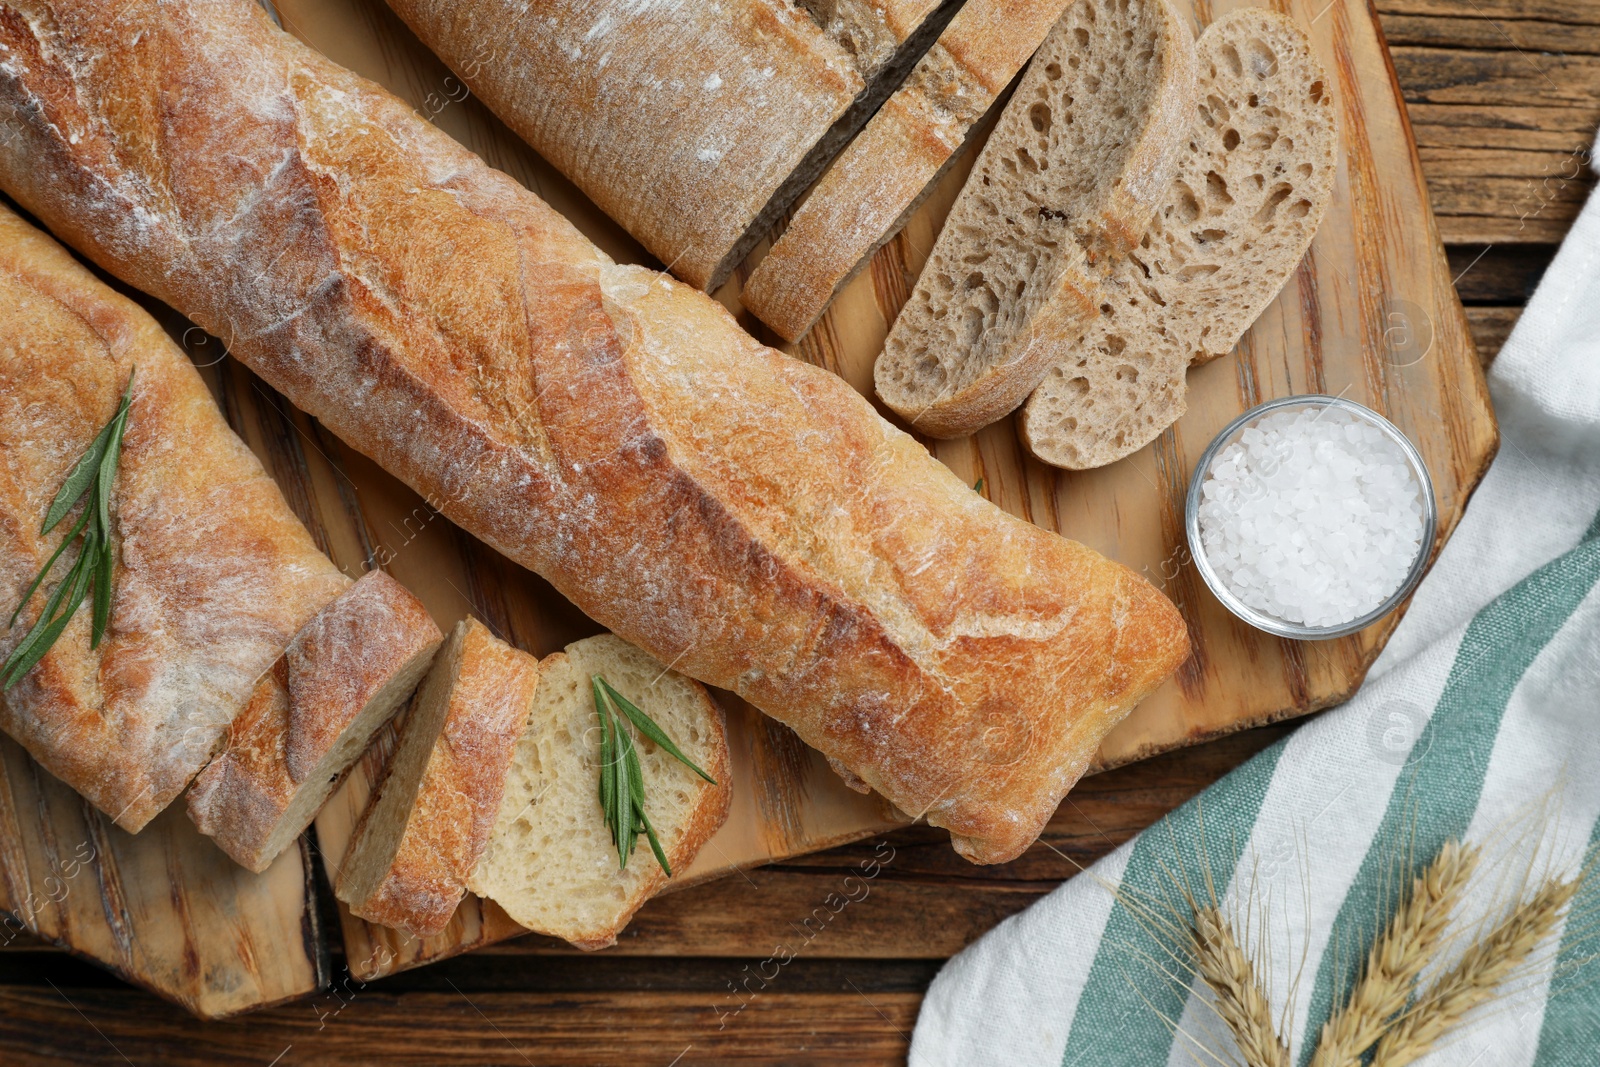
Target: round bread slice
<point>1252,189</point>
<point>1073,172</point>
<point>550,862</point>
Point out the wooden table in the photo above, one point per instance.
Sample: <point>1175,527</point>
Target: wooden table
<point>1504,98</point>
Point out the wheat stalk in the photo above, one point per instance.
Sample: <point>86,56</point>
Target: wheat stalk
<point>1482,969</point>
<point>1396,958</point>
<point>1239,1000</point>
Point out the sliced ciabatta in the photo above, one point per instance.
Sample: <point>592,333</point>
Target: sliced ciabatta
<point>550,861</point>
<point>883,175</point>
<point>1072,174</point>
<point>344,674</point>
<point>427,824</point>
<point>1250,193</point>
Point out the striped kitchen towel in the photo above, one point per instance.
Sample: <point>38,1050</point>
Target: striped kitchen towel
<point>1481,721</point>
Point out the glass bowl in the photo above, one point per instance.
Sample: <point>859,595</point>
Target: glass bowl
<point>1281,627</point>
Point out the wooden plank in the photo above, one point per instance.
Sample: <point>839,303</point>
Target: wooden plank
<point>163,909</point>
<point>1490,328</point>
<point>39,1027</point>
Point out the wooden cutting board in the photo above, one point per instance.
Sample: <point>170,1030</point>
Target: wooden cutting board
<point>1371,314</point>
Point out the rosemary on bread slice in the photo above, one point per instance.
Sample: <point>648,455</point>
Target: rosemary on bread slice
<point>93,570</point>
<point>621,774</point>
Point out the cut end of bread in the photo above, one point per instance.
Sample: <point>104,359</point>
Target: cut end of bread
<point>429,820</point>
<point>1070,176</point>
<point>1256,178</point>
<point>343,676</point>
<point>550,862</point>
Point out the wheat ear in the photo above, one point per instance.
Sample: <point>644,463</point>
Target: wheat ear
<point>1396,959</point>
<point>1239,1000</point>
<point>1482,969</point>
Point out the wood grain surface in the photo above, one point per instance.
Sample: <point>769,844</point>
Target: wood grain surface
<point>1476,82</point>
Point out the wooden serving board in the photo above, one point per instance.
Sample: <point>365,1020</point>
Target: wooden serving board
<point>1371,314</point>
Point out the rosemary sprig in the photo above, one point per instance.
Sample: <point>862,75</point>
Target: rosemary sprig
<point>90,482</point>
<point>622,775</point>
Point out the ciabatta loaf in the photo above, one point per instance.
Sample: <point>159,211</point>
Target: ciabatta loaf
<point>213,572</point>
<point>347,671</point>
<point>734,512</point>
<point>1071,175</point>
<point>429,820</point>
<point>885,173</point>
<point>550,862</point>
<point>693,125</point>
<point>1251,191</point>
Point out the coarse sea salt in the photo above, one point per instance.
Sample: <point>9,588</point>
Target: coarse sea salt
<point>1312,516</point>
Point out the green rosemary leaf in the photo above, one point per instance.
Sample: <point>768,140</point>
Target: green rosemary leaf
<point>90,481</point>
<point>48,615</point>
<point>77,529</point>
<point>82,474</point>
<point>655,842</point>
<point>622,773</point>
<point>625,834</point>
<point>645,725</point>
<point>108,467</point>
<point>607,754</point>
<point>105,568</point>
<point>39,640</point>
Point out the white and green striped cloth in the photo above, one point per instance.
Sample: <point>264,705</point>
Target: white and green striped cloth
<point>1485,703</point>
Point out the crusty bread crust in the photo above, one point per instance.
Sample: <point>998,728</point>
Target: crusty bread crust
<point>1070,176</point>
<point>345,673</point>
<point>1255,180</point>
<point>683,122</point>
<point>214,573</point>
<point>871,190</point>
<point>739,514</point>
<point>419,865</point>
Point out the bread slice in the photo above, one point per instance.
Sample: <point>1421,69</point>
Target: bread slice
<point>1072,174</point>
<point>1252,189</point>
<point>550,862</point>
<point>429,820</point>
<point>344,674</point>
<point>885,173</point>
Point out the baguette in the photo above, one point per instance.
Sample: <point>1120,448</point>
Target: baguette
<point>739,514</point>
<point>429,820</point>
<point>550,861</point>
<point>1071,175</point>
<point>883,176</point>
<point>213,574</point>
<point>1251,191</point>
<point>693,125</point>
<point>343,676</point>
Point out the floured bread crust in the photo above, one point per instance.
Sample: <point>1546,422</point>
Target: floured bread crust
<point>693,124</point>
<point>738,514</point>
<point>214,573</point>
<point>429,820</point>
<point>345,673</point>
